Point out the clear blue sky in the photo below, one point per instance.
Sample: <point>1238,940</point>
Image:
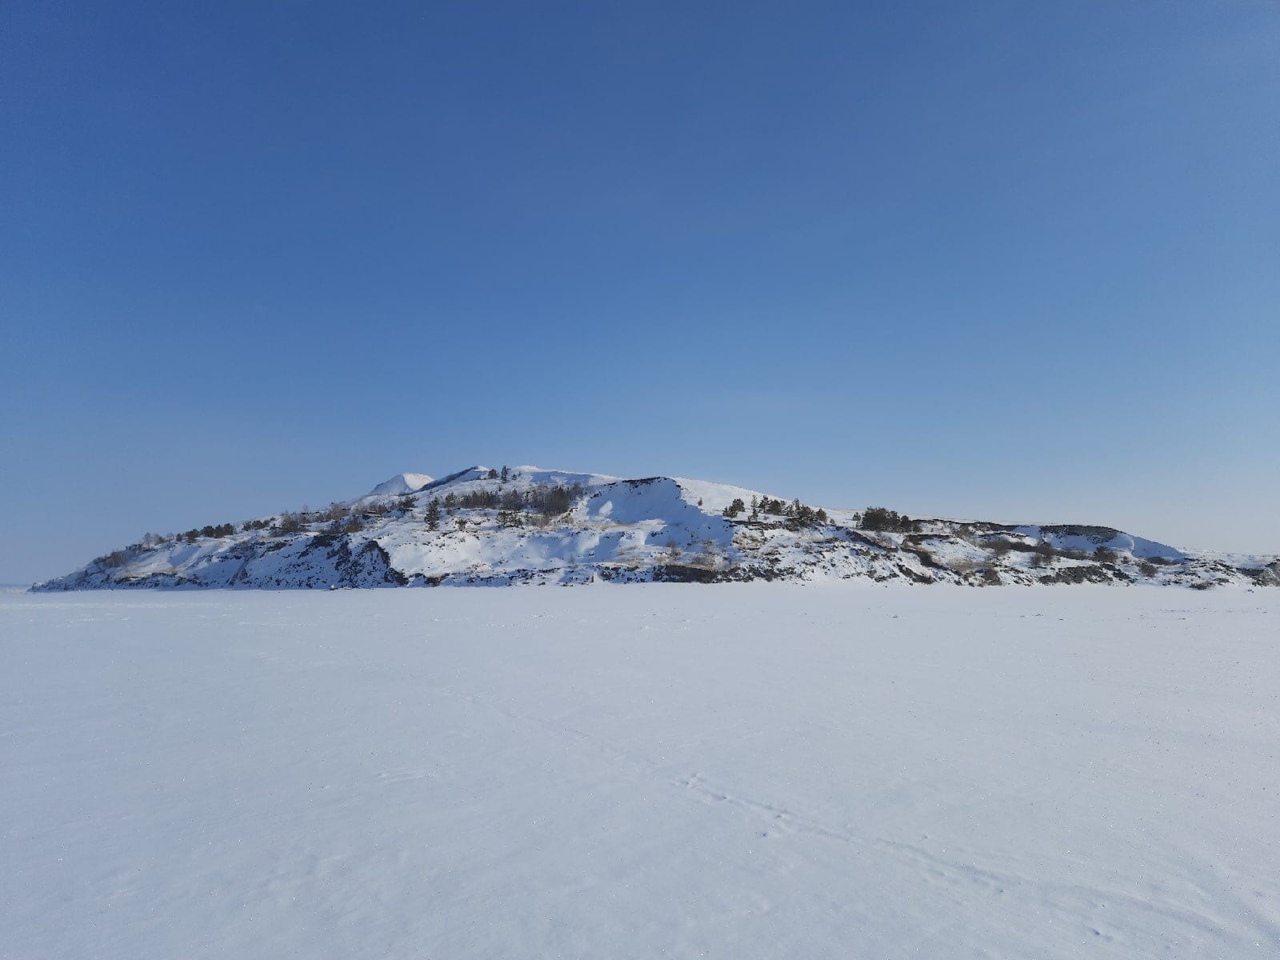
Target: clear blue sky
<point>1007,260</point>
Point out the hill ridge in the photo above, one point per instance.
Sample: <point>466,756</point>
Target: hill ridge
<point>529,525</point>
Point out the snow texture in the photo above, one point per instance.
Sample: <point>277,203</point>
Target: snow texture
<point>401,483</point>
<point>744,771</point>
<point>1092,539</point>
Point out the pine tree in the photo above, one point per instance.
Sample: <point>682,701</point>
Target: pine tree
<point>433,515</point>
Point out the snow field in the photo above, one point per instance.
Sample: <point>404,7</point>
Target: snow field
<point>738,771</point>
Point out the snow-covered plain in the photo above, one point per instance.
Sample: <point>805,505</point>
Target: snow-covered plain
<point>745,770</point>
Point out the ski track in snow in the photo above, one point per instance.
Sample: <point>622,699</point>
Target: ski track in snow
<point>1069,898</point>
<point>733,771</point>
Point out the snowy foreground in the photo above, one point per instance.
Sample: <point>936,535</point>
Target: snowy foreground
<point>751,770</point>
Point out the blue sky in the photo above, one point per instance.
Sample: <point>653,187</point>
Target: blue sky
<point>1006,260</point>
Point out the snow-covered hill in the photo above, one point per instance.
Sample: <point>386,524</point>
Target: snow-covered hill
<point>401,483</point>
<point>484,526</point>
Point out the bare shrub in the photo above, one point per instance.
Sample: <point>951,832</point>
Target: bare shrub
<point>335,511</point>
<point>349,525</point>
<point>289,523</point>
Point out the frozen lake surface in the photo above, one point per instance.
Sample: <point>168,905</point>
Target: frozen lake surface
<point>734,771</point>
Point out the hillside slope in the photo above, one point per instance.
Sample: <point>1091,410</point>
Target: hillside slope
<point>481,526</point>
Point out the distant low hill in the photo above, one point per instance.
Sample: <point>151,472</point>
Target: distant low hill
<point>496,527</point>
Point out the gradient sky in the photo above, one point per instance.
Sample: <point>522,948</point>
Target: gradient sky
<point>999,260</point>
